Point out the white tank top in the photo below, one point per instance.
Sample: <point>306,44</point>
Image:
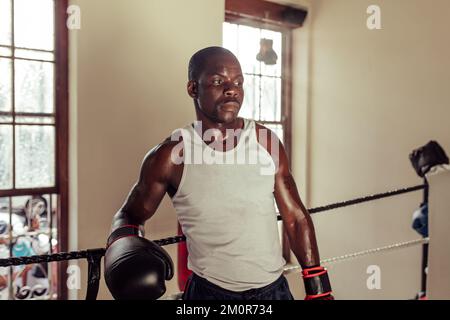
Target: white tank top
<point>227,212</point>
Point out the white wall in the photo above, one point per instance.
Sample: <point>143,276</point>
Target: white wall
<point>438,280</point>
<point>369,98</point>
<point>128,77</point>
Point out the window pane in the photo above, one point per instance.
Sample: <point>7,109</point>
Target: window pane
<point>37,283</point>
<point>35,156</point>
<point>250,106</point>
<point>54,248</point>
<point>4,272</point>
<point>230,37</point>
<point>33,54</point>
<point>6,159</point>
<point>4,248</point>
<point>7,119</point>
<point>4,207</point>
<point>54,221</point>
<point>273,70</point>
<point>44,222</point>
<point>19,218</point>
<point>5,22</point>
<point>4,224</point>
<point>278,129</point>
<point>4,51</point>
<point>270,99</point>
<point>5,84</point>
<point>34,24</point>
<point>30,215</point>
<point>41,120</point>
<point>34,86</point>
<point>248,42</point>
<point>35,213</point>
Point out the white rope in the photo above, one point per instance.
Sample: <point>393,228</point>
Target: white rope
<point>399,245</point>
<point>295,268</point>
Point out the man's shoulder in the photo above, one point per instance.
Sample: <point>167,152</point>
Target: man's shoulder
<point>265,136</point>
<point>261,128</point>
<point>168,145</point>
<point>165,152</point>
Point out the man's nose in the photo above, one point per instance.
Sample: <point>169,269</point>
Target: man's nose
<point>231,90</point>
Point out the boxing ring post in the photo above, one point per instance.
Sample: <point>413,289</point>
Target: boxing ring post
<point>438,277</point>
<point>423,285</point>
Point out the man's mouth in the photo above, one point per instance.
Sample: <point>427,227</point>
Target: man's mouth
<point>230,106</point>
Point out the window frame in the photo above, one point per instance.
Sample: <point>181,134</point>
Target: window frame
<point>286,76</point>
<point>61,104</point>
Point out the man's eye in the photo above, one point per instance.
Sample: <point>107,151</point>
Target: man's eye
<point>238,83</point>
<point>217,82</point>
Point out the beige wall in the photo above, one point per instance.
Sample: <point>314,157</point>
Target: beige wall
<point>128,79</point>
<point>438,284</point>
<point>373,97</point>
<point>362,101</point>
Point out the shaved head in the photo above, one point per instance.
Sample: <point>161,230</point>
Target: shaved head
<point>201,57</point>
<point>216,85</point>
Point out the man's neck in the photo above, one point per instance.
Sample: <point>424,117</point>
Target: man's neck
<point>207,123</point>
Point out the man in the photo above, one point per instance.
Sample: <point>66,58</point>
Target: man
<point>225,205</point>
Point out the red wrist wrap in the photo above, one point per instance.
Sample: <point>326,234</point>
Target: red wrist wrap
<point>317,284</point>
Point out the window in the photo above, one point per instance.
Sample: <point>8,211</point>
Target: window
<point>33,144</point>
<point>263,83</point>
<point>249,27</point>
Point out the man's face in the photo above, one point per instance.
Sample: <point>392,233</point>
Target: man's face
<point>219,90</point>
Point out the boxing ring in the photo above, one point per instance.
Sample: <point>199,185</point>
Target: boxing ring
<point>439,205</point>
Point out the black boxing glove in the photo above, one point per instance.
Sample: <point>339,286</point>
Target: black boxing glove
<point>317,284</point>
<point>427,156</point>
<point>136,268</point>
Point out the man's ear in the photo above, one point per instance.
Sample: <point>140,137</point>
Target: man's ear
<point>192,88</point>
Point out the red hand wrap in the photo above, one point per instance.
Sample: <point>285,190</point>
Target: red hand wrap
<point>317,284</point>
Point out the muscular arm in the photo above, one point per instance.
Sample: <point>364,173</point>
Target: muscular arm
<point>295,216</point>
<point>296,220</point>
<point>146,195</point>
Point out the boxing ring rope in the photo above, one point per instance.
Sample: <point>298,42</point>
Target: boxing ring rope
<point>394,246</point>
<point>294,268</point>
<point>94,256</point>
